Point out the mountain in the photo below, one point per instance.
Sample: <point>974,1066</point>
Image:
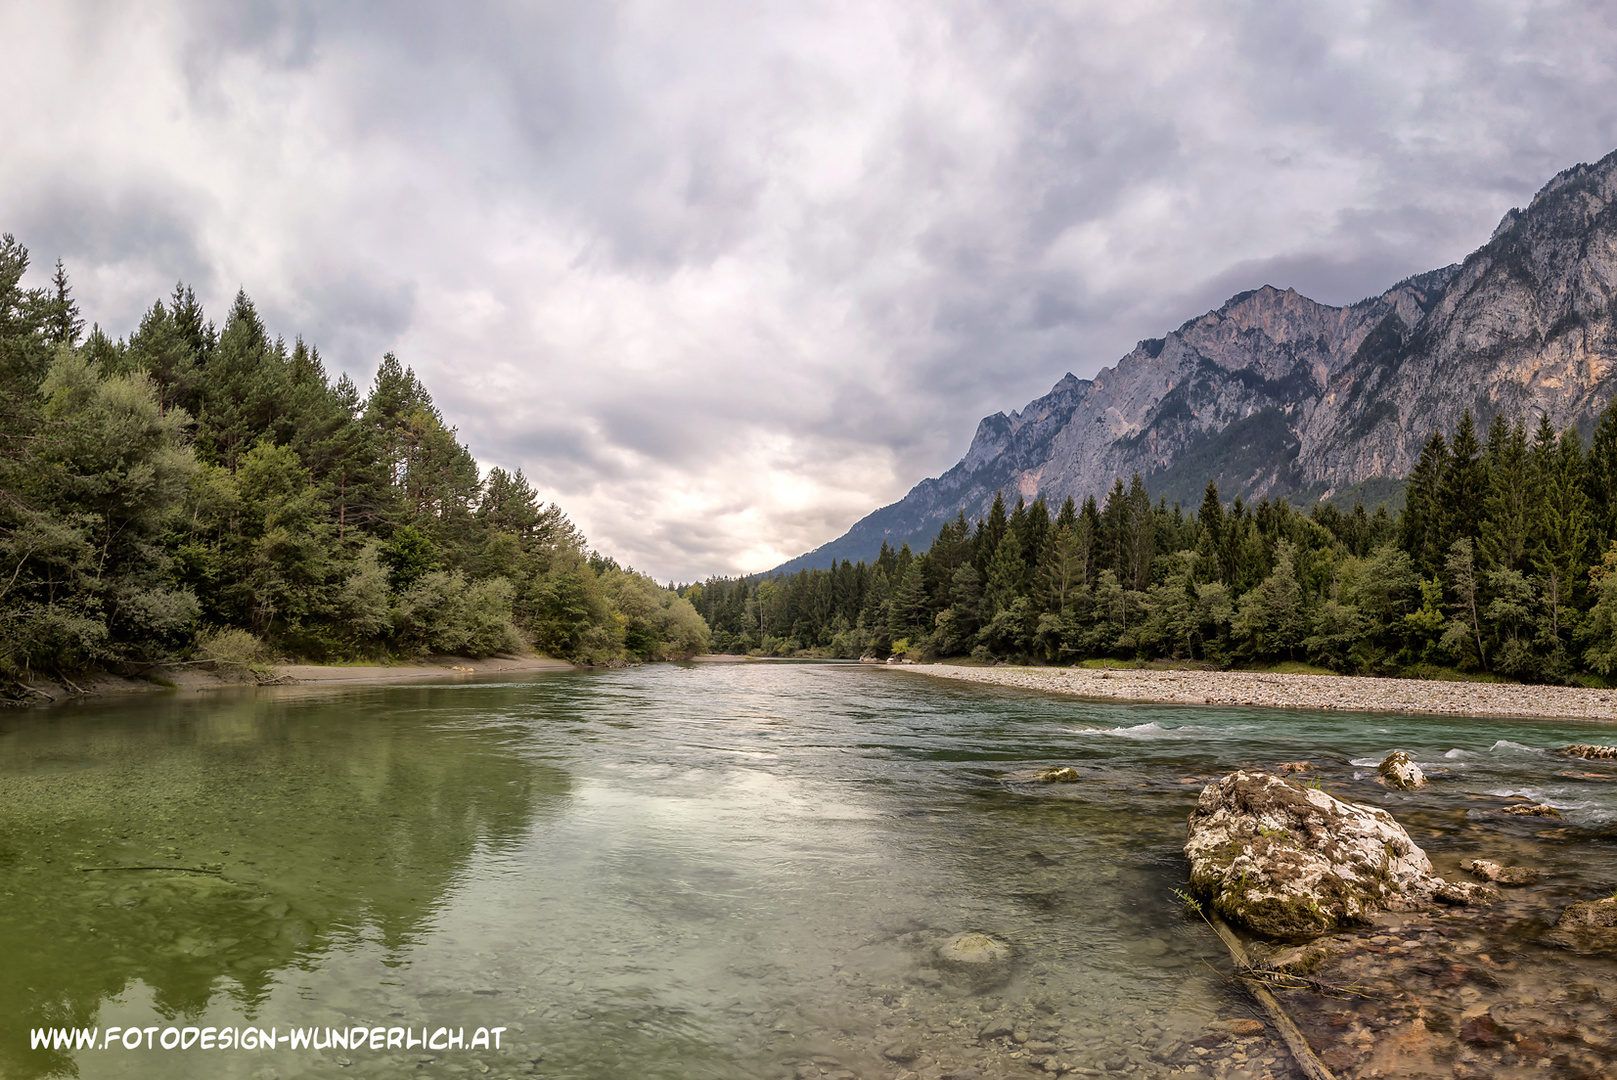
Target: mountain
<point>1275,394</point>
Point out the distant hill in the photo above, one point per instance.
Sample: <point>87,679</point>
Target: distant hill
<point>1275,394</point>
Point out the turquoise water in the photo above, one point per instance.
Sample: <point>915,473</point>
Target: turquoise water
<point>726,871</point>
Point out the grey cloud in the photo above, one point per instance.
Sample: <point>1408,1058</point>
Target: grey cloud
<point>144,230</point>
<point>723,277</point>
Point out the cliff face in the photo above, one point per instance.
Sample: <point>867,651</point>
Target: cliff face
<point>1524,326</point>
<point>1274,394</point>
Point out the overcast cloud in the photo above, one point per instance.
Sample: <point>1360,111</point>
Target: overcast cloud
<point>724,277</point>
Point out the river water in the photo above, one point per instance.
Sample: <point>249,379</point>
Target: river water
<point>728,871</point>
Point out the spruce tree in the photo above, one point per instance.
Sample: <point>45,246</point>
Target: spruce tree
<point>63,323</point>
<point>1508,505</point>
<point>1465,484</point>
<point>1423,525</point>
<point>1602,478</point>
<point>1211,544</point>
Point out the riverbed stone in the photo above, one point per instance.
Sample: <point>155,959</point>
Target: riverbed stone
<point>1463,893</point>
<point>975,961</point>
<point>1533,810</point>
<point>902,1051</point>
<point>1590,751</point>
<point>1290,861</point>
<point>1488,870</point>
<point>1064,774</point>
<point>1398,770</point>
<point>974,949</point>
<point>1588,926</point>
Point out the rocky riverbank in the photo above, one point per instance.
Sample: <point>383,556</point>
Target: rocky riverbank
<point>1392,971</point>
<point>1290,691</point>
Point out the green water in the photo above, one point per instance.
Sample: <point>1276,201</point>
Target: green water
<point>736,871</point>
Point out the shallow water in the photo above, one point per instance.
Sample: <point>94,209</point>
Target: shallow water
<point>729,871</point>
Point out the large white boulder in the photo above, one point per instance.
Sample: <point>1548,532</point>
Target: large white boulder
<point>1291,861</point>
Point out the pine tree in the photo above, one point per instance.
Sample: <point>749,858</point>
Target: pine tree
<point>1139,537</point>
<point>63,323</point>
<point>1005,574</point>
<point>1561,528</point>
<point>989,533</point>
<point>1465,484</point>
<point>1507,507</point>
<point>1113,530</point>
<point>1211,544</point>
<point>1423,525</point>
<point>1602,478</point>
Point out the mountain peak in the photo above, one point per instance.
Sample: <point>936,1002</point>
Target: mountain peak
<point>1275,394</point>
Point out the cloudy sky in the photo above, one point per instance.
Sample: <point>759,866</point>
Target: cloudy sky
<point>723,277</point>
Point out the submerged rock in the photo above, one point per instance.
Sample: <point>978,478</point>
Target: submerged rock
<point>1489,870</point>
<point>1290,861</point>
<point>1398,770</point>
<point>1590,751</point>
<point>1065,774</point>
<point>975,961</point>
<point>1532,810</point>
<point>973,949</point>
<point>1587,926</point>
<point>1463,893</point>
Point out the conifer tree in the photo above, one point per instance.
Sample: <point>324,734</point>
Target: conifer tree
<point>1423,524</point>
<point>1602,478</point>
<point>1561,528</point>
<point>64,325</point>
<point>1465,484</point>
<point>1211,543</point>
<point>1508,505</point>
<point>1139,537</point>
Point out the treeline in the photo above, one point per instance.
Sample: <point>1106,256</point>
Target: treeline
<point>1501,561</point>
<point>203,492</point>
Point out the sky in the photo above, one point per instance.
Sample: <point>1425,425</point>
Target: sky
<point>722,278</point>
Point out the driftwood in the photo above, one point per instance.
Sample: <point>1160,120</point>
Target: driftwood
<point>1304,1054</point>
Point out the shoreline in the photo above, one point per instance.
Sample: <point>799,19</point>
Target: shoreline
<point>104,684</point>
<point>1354,693</point>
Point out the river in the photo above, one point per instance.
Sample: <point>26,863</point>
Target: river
<point>731,871</point>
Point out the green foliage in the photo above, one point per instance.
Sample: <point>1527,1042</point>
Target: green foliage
<point>215,494</point>
<point>410,556</point>
<point>1483,573</point>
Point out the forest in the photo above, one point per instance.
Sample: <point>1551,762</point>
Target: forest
<point>1502,563</point>
<point>195,493</point>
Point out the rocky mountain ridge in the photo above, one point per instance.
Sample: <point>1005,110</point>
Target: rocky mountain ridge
<point>1275,394</point>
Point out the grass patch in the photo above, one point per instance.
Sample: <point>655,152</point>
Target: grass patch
<point>1296,667</point>
<point>1447,674</point>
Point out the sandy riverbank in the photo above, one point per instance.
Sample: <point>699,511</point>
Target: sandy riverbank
<point>45,691</point>
<point>1295,691</point>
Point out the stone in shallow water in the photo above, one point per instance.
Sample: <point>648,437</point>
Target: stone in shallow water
<point>976,960</point>
<point>1488,870</point>
<point>902,1051</point>
<point>974,949</point>
<point>1588,926</point>
<point>1398,770</point>
<point>1590,752</point>
<point>1533,810</point>
<point>1287,860</point>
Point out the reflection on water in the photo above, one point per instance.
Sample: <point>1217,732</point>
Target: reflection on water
<point>668,872</point>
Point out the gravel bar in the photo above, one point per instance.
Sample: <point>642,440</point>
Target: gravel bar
<point>1291,691</point>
